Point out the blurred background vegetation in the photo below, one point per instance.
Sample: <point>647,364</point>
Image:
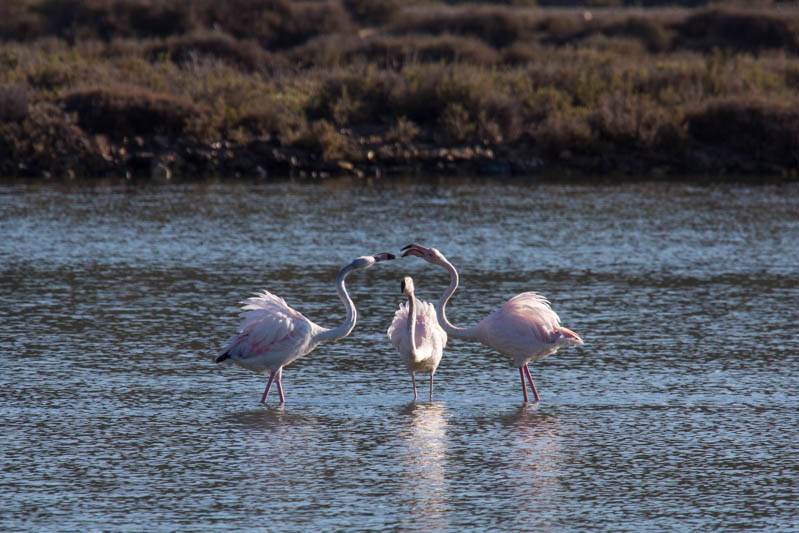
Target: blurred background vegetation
<point>100,87</point>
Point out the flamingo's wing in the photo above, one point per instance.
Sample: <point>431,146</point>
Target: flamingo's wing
<point>398,325</point>
<point>524,322</point>
<point>427,328</point>
<point>268,325</point>
<point>428,332</point>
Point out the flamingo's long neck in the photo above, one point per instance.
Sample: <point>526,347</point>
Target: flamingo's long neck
<point>352,314</point>
<point>461,333</point>
<point>412,324</point>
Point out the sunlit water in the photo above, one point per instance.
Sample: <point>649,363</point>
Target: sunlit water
<point>680,412</point>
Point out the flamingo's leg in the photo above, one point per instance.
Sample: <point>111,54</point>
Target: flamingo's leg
<point>280,389</point>
<point>413,378</point>
<point>431,386</point>
<point>532,385</point>
<point>524,386</point>
<point>268,385</point>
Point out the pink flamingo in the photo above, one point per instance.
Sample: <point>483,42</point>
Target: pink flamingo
<point>415,333</point>
<point>273,335</point>
<point>525,328</point>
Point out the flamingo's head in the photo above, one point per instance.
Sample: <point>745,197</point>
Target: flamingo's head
<point>431,255</point>
<point>369,260</point>
<point>407,286</point>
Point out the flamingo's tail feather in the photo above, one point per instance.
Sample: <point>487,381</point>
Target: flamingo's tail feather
<point>570,336</point>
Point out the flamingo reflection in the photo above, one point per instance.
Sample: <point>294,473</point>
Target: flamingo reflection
<point>536,457</point>
<point>424,488</point>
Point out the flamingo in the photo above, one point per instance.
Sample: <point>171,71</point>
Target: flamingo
<point>525,328</point>
<point>415,333</point>
<point>273,335</point>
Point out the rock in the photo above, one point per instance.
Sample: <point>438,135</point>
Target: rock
<point>259,172</point>
<point>160,172</point>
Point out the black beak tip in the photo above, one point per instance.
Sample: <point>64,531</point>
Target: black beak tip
<point>406,247</point>
<point>385,256</point>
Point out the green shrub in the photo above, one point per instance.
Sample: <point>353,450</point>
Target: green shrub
<point>403,132</point>
<point>457,123</point>
<point>323,139</point>
<point>623,120</point>
<point>354,96</point>
<point>268,118</point>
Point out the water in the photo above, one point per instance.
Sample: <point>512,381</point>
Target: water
<point>680,412</point>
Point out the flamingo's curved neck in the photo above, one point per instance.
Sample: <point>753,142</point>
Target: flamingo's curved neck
<point>461,333</point>
<point>412,324</point>
<point>352,314</point>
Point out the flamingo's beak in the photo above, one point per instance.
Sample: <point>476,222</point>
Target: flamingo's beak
<point>414,249</point>
<point>385,256</point>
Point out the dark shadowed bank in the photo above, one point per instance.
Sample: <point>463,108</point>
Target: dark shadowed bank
<point>163,88</point>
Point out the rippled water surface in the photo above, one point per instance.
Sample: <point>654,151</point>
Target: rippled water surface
<point>680,412</point>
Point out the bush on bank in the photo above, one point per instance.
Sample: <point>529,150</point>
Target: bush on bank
<point>113,86</point>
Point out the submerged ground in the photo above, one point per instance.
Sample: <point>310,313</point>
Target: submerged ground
<point>162,88</point>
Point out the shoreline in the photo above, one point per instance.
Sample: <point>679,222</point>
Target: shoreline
<point>161,159</point>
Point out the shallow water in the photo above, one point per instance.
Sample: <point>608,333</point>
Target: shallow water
<point>680,412</point>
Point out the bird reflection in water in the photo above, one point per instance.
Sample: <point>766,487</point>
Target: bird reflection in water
<point>535,447</point>
<point>424,484</point>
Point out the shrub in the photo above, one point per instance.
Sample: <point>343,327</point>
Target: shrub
<point>470,103</point>
<point>562,131</point>
<point>628,120</point>
<point>393,52</point>
<point>47,138</point>
<point>372,12</point>
<point>127,110</point>
<point>767,129</point>
<point>354,96</point>
<point>105,19</point>
<point>245,54</point>
<point>14,102</point>
<point>457,123</point>
<point>323,139</point>
<point>403,132</point>
<point>738,30</point>
<point>268,118</point>
<point>18,23</point>
<point>275,24</point>
<point>497,26</point>
<point>652,33</point>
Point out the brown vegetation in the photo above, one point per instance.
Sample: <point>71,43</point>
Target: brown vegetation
<point>273,86</point>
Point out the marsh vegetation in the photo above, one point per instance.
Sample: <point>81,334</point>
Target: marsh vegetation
<point>161,87</point>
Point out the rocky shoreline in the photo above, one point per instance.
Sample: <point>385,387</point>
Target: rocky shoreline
<point>161,159</point>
